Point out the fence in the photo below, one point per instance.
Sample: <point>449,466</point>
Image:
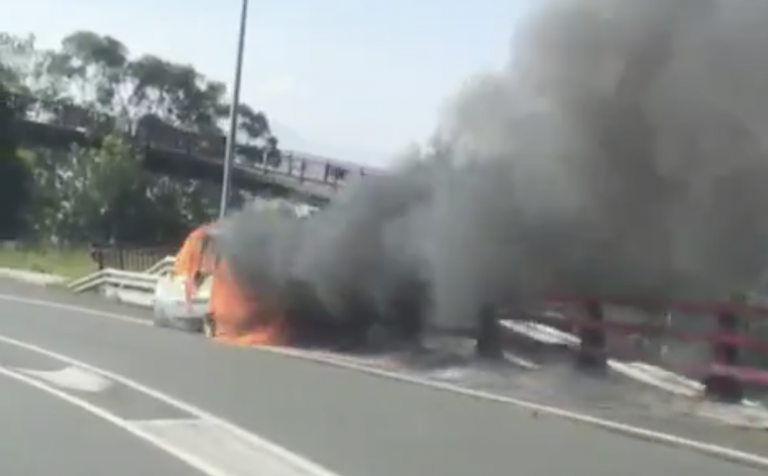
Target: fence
<point>309,169</point>
<point>129,258</point>
<point>685,334</point>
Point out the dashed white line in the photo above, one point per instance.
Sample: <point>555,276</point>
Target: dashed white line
<point>190,458</point>
<point>70,378</point>
<point>207,443</point>
<point>217,444</point>
<point>78,309</point>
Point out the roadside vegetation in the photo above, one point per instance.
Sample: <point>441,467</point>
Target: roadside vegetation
<point>66,262</point>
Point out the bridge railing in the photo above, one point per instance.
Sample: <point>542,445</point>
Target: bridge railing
<point>155,134</point>
<point>710,341</point>
<point>312,170</point>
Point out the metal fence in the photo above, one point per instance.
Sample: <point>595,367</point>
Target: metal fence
<point>129,258</point>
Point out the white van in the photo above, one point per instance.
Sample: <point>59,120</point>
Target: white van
<point>171,307</point>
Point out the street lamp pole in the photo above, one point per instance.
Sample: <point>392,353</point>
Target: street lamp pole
<point>229,156</point>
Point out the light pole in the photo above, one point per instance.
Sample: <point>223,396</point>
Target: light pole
<point>229,156</point>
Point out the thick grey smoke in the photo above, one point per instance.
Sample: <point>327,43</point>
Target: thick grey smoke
<point>621,151</point>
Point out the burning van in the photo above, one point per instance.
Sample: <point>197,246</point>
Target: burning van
<point>182,293</point>
<point>201,295</point>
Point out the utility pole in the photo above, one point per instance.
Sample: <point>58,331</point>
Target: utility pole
<point>229,156</point>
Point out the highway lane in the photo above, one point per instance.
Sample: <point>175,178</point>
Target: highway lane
<point>615,399</point>
<point>43,435</point>
<point>352,423</point>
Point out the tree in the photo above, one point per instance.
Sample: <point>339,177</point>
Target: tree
<point>97,190</point>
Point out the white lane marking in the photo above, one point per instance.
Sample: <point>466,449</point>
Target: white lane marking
<point>190,458</point>
<point>218,447</point>
<point>78,309</point>
<point>70,378</point>
<point>214,443</point>
<point>278,453</point>
<point>709,449</point>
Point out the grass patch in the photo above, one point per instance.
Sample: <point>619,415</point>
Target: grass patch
<point>70,263</point>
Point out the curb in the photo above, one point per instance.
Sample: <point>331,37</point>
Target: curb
<point>32,277</point>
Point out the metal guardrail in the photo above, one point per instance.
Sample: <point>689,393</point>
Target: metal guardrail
<point>120,279</point>
<point>162,266</point>
<point>722,329</point>
<point>115,278</point>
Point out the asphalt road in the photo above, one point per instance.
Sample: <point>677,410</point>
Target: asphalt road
<point>43,435</point>
<point>352,423</point>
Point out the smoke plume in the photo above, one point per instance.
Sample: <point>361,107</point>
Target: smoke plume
<point>620,151</point>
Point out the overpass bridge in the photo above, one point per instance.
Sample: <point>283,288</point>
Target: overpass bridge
<point>165,149</point>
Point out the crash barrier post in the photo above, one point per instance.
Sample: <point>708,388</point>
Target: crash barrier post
<point>489,344</point>
<point>592,351</point>
<point>724,375</point>
<point>720,383</point>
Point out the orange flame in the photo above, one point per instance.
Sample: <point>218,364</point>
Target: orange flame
<point>253,337</point>
<point>239,318</point>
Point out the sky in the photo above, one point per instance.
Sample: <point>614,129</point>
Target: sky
<point>357,80</point>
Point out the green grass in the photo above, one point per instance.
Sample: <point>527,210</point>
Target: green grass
<point>70,263</point>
